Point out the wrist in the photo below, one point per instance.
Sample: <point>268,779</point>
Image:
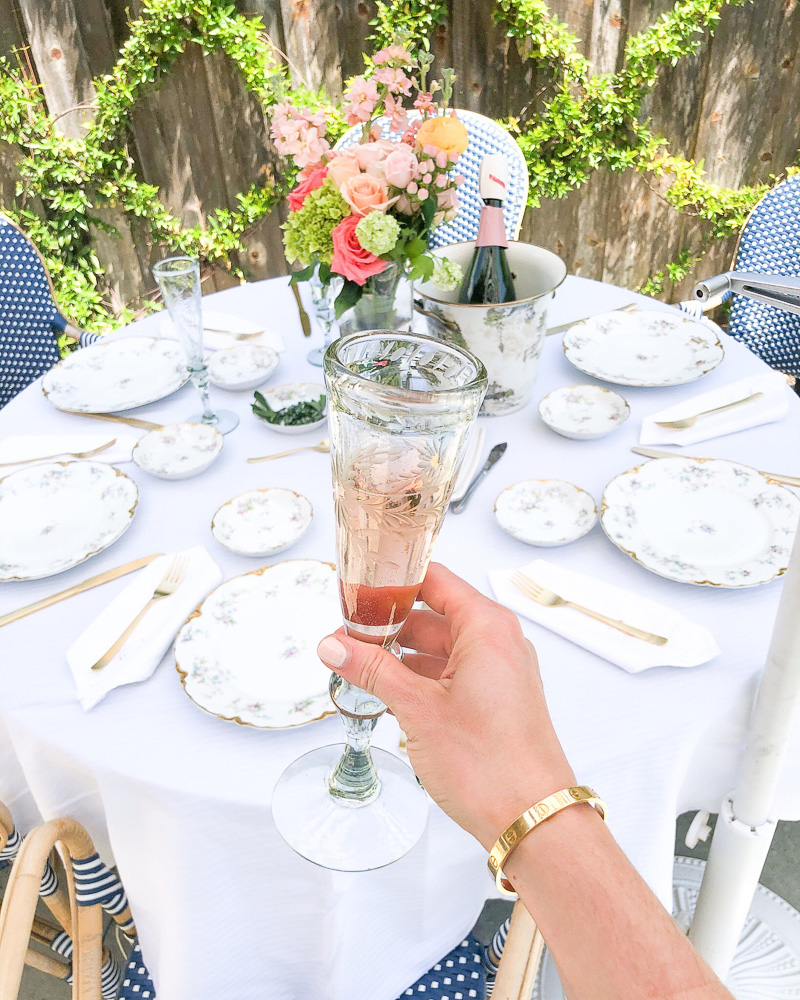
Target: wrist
<point>511,801</point>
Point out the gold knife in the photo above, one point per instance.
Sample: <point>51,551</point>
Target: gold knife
<point>93,581</point>
<point>775,477</point>
<point>304,320</point>
<point>628,307</point>
<point>146,425</point>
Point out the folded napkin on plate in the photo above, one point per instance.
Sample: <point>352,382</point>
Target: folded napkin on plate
<point>146,646</point>
<point>214,337</point>
<point>774,405</point>
<point>469,465</point>
<point>688,644</point>
<point>24,448</point>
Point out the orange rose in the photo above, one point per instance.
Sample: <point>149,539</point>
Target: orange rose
<point>365,193</point>
<point>341,167</point>
<point>444,132</point>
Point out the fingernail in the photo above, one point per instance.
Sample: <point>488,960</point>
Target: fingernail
<point>332,652</point>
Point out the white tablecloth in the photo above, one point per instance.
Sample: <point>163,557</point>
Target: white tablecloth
<point>181,800</point>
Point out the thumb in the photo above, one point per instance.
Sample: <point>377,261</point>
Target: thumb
<point>372,668</point>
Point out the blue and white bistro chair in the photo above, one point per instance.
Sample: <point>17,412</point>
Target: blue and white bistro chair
<point>29,318</point>
<point>769,244</point>
<point>485,136</point>
<point>466,973</point>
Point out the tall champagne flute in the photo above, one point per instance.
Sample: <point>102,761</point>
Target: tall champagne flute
<point>179,281</point>
<point>400,408</point>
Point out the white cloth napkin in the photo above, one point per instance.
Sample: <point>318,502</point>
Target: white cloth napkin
<point>773,406</point>
<point>688,644</point>
<point>213,340</point>
<point>469,464</point>
<point>145,648</point>
<point>24,448</point>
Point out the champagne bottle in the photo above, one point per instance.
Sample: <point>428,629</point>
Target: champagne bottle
<point>488,279</point>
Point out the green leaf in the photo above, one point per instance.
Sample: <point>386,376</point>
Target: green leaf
<point>303,275</point>
<point>347,298</point>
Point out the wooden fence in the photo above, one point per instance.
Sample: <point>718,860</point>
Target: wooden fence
<point>201,138</point>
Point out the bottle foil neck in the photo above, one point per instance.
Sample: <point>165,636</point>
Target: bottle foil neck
<point>492,228</point>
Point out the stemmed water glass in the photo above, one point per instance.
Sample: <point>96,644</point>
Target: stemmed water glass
<point>400,408</point>
<point>322,302</point>
<point>179,281</point>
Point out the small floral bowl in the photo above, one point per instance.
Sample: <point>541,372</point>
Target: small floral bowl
<point>545,511</point>
<point>178,451</point>
<point>242,367</point>
<point>262,522</point>
<point>583,412</point>
<point>280,397</point>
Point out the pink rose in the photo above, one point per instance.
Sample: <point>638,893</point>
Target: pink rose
<point>350,259</point>
<point>341,167</point>
<point>371,152</point>
<point>401,167</point>
<point>365,193</point>
<point>306,186</point>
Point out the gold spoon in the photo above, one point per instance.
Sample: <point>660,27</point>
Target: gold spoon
<point>680,425</point>
<point>323,446</point>
<point>66,454</point>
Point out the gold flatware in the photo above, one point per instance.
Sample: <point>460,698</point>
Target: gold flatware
<point>304,320</point>
<point>233,333</point>
<point>145,425</point>
<point>775,477</point>
<point>322,446</point>
<point>58,454</point>
<point>682,424</point>
<point>168,585</point>
<point>79,588</point>
<point>541,595</point>
<point>628,307</point>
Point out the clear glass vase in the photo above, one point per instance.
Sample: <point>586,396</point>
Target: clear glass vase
<point>400,409</point>
<point>385,303</point>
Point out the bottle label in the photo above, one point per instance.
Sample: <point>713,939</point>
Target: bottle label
<point>492,229</point>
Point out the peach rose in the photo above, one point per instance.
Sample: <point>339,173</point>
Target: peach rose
<point>350,259</point>
<point>371,152</point>
<point>365,193</point>
<point>341,167</point>
<point>401,167</point>
<point>445,132</point>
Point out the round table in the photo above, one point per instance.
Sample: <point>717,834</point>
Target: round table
<point>181,800</point>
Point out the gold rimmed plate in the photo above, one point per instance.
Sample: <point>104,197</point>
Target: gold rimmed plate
<point>248,654</point>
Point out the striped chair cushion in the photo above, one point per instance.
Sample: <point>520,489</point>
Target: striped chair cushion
<point>770,244</point>
<point>485,136</point>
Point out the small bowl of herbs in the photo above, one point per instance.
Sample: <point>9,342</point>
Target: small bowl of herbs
<point>293,408</point>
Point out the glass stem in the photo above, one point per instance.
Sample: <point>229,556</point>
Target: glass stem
<point>354,780</point>
<point>199,376</point>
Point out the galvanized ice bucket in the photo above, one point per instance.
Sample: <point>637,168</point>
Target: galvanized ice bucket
<point>508,338</point>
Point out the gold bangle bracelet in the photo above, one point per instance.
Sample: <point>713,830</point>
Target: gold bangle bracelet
<point>531,818</point>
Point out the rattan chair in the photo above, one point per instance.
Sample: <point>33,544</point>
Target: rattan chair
<point>29,318</point>
<point>485,136</point>
<point>91,885</point>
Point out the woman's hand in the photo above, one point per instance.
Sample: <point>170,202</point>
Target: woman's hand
<point>470,701</point>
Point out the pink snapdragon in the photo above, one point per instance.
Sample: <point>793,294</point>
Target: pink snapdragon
<point>392,53</point>
<point>362,98</point>
<point>395,80</point>
<point>424,103</point>
<point>300,134</point>
<point>397,114</point>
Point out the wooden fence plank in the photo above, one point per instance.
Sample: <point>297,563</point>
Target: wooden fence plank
<point>310,31</point>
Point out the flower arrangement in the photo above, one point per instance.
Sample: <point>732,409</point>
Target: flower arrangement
<point>356,211</point>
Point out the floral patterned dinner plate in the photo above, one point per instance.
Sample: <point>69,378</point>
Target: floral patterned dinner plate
<point>249,652</point>
<point>645,348</point>
<point>117,375</point>
<point>702,521</point>
<point>56,515</point>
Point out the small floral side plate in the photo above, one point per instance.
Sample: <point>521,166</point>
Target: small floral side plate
<point>282,396</point>
<point>117,375</point>
<point>249,652</point>
<point>54,516</point>
<point>545,511</point>
<point>583,412</point>
<point>646,348</point>
<point>262,522</point>
<point>243,367</point>
<point>709,522</point>
<point>178,451</point>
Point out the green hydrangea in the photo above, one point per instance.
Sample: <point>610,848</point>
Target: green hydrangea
<point>377,233</point>
<point>447,275</point>
<point>307,232</point>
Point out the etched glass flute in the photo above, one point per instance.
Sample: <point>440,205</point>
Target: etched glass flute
<point>179,281</point>
<point>400,408</point>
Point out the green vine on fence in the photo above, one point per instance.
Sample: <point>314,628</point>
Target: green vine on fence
<point>584,123</point>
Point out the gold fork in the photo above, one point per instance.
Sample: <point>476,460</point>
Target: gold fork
<point>680,425</point>
<point>541,595</point>
<point>72,454</point>
<point>322,446</point>
<point>173,578</point>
